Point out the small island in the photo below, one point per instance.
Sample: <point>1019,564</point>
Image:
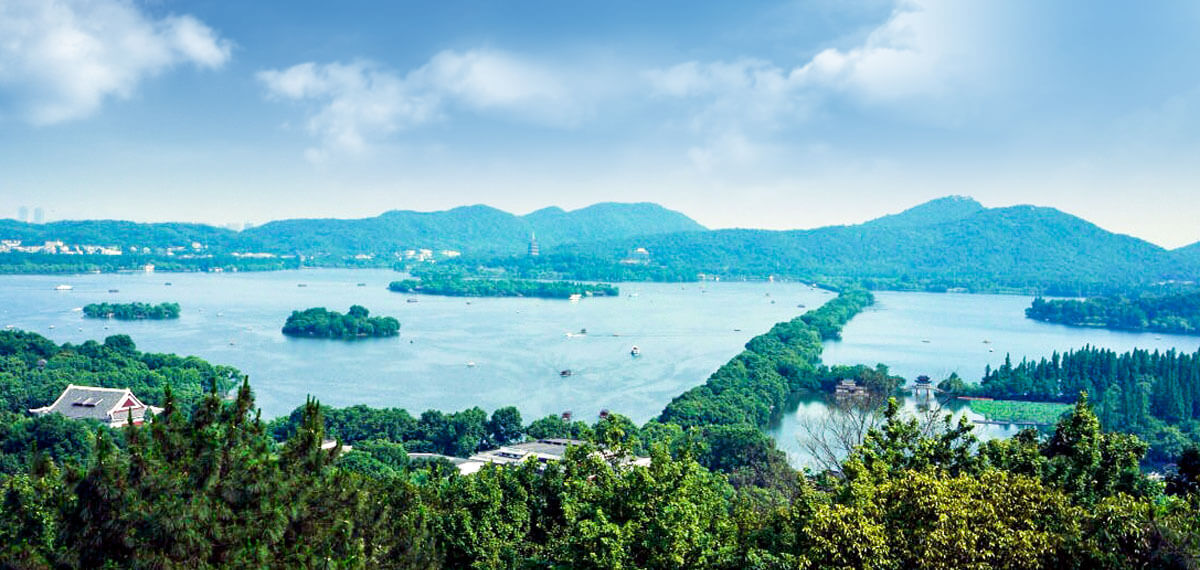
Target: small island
<point>319,322</point>
<point>1177,313</point>
<point>458,287</point>
<point>131,311</point>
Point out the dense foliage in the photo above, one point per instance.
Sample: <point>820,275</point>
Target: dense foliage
<point>34,371</point>
<point>1153,394</point>
<point>1178,313</point>
<point>455,287</point>
<point>456,434</point>
<point>318,322</point>
<point>131,311</point>
<point>936,248</point>
<point>753,387</point>
<point>212,489</point>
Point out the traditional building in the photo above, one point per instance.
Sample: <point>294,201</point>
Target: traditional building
<point>113,405</point>
<point>849,389</point>
<point>533,246</point>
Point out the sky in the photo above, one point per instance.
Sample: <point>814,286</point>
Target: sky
<point>739,114</point>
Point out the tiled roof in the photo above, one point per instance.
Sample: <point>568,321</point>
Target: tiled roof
<point>87,402</point>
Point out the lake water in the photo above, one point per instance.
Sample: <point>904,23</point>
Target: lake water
<point>935,334</point>
<point>518,346</point>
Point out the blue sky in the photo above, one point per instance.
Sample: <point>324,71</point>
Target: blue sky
<point>749,114</point>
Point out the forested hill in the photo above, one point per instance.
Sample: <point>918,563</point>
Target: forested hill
<point>118,233</point>
<point>469,228</point>
<point>950,242</point>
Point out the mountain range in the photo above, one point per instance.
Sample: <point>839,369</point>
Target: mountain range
<point>948,242</point>
<point>475,229</point>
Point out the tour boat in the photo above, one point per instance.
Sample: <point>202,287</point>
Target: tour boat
<point>63,288</point>
<point>635,351</point>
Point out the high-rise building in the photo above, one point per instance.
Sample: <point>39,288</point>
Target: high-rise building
<point>23,213</point>
<point>39,216</point>
<point>533,246</point>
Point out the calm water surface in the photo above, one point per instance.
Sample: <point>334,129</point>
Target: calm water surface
<point>518,346</point>
<point>936,334</point>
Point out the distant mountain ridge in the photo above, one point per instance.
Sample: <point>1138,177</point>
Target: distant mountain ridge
<point>477,229</point>
<point>949,242</point>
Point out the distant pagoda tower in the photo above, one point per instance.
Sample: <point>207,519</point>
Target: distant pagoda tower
<point>533,246</point>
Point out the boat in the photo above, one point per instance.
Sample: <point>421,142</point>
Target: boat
<point>582,331</point>
<point>926,341</point>
<point>575,297</point>
<point>114,290</point>
<point>986,341</point>
<point>167,284</point>
<point>63,288</point>
<point>51,326</point>
<point>470,364</point>
<point>410,300</point>
<point>302,284</point>
<point>565,373</point>
<point>635,351</point>
<point>362,284</point>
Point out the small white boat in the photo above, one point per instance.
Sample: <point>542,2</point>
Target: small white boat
<point>51,326</point>
<point>63,288</point>
<point>470,364</point>
<point>575,297</point>
<point>77,310</point>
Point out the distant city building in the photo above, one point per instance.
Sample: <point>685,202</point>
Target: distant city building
<point>533,245</point>
<point>39,216</point>
<point>23,213</point>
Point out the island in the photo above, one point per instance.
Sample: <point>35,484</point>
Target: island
<point>1173,313</point>
<point>459,287</point>
<point>318,322</point>
<point>131,311</point>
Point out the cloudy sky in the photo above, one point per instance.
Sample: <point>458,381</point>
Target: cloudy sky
<point>740,114</point>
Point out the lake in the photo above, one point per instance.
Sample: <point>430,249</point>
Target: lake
<point>938,333</point>
<point>518,346</point>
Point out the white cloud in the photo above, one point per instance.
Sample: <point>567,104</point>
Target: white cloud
<point>350,106</point>
<point>931,60</point>
<point>60,59</point>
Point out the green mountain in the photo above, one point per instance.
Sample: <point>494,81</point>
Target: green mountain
<point>941,210</point>
<point>950,242</point>
<point>468,228</point>
<point>118,233</point>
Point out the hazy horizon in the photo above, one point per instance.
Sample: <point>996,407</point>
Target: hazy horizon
<point>774,115</point>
